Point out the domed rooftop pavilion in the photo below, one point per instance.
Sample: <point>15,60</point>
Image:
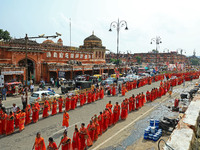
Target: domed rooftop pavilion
<point>92,41</point>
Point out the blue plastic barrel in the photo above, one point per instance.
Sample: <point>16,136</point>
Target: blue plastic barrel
<point>152,122</point>
<point>156,122</point>
<point>155,137</point>
<point>150,136</point>
<point>146,137</point>
<point>147,131</point>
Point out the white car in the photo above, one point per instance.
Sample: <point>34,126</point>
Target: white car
<point>38,95</point>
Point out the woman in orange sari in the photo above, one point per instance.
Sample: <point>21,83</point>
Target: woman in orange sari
<point>54,107</point>
<point>97,128</point>
<point>65,122</point>
<point>101,93</point>
<point>45,110</point>
<point>90,129</point>
<point>17,114</point>
<point>60,103</point>
<point>10,124</point>
<point>76,139</point>
<point>22,120</point>
<point>52,145</point>
<point>83,137</point>
<point>28,114</point>
<point>39,143</point>
<point>67,103</point>
<point>65,142</point>
<point>123,91</point>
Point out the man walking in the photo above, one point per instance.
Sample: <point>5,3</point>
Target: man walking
<point>3,92</point>
<point>23,98</point>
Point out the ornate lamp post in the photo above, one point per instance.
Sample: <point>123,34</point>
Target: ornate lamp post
<point>118,25</point>
<point>36,37</point>
<point>158,41</point>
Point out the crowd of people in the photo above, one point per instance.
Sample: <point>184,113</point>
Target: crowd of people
<point>98,124</point>
<point>86,135</point>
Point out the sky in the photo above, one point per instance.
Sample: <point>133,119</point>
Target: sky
<point>176,22</point>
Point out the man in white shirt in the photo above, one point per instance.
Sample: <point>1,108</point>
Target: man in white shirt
<point>14,109</point>
<point>32,88</point>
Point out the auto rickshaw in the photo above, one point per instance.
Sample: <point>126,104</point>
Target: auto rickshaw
<point>11,87</point>
<point>99,77</point>
<point>115,76</point>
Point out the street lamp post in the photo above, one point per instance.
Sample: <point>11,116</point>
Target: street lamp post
<point>118,25</point>
<point>26,47</point>
<point>158,41</point>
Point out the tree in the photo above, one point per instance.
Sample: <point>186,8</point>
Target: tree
<point>138,59</point>
<point>114,61</point>
<point>194,61</point>
<point>4,35</point>
<point>154,51</point>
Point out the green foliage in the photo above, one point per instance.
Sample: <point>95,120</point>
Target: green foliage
<point>194,61</point>
<point>4,35</point>
<point>112,60</point>
<point>138,59</point>
<point>154,51</point>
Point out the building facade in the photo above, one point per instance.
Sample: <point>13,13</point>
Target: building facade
<point>151,58</point>
<point>50,60</point>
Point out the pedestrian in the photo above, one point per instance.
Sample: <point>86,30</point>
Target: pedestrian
<point>39,142</point>
<point>52,82</point>
<point>76,139</point>
<point>65,122</point>
<point>22,120</point>
<point>170,90</point>
<point>65,142</point>
<point>16,89</point>
<point>10,124</point>
<point>58,83</point>
<point>32,88</point>
<point>52,145</point>
<point>3,92</point>
<point>183,82</point>
<point>23,99</point>
<point>60,104</point>
<point>54,107</point>
<point>28,114</point>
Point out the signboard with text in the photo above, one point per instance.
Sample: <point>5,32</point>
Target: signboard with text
<point>61,74</point>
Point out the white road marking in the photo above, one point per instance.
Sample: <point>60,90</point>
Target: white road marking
<point>98,146</point>
<point>68,128</point>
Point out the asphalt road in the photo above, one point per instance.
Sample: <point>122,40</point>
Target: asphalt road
<point>52,126</point>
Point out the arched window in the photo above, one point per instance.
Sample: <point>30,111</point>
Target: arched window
<point>99,54</point>
<point>103,55</point>
<point>48,54</point>
<point>55,55</point>
<point>72,55</point>
<point>66,55</point>
<point>96,54</point>
<point>61,55</point>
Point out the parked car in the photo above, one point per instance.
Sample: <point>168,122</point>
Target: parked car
<point>38,95</point>
<point>83,84</point>
<point>123,80</point>
<point>109,82</point>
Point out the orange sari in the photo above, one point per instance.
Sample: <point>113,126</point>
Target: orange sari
<point>39,144</point>
<point>10,124</point>
<point>54,108</point>
<point>22,121</point>
<point>65,119</point>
